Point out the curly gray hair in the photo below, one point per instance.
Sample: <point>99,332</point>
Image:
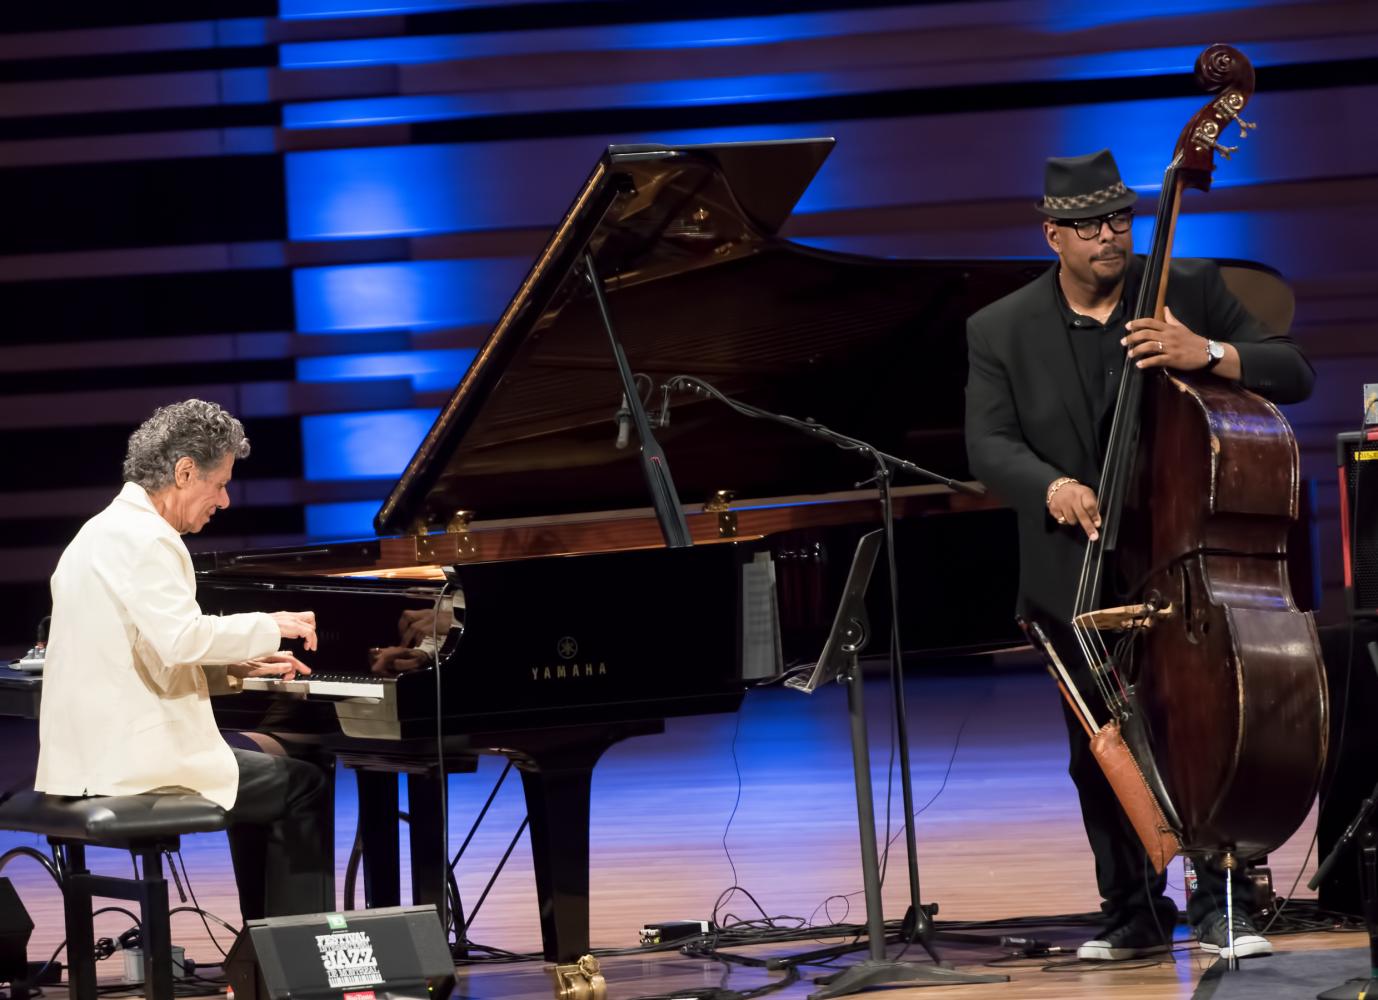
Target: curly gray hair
<point>201,431</point>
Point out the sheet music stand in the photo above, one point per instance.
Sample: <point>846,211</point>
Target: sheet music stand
<point>840,661</point>
<point>851,626</point>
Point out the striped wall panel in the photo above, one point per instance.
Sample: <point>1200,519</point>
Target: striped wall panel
<point>311,210</point>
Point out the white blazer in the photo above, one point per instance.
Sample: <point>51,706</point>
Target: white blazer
<point>126,689</point>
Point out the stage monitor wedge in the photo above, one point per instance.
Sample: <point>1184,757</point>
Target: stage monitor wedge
<point>390,953</point>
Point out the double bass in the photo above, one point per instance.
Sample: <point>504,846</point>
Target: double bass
<point>1213,677</point>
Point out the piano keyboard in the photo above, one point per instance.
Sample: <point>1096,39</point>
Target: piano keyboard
<point>325,686</point>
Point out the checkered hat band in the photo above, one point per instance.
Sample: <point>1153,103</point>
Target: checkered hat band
<point>1085,200</point>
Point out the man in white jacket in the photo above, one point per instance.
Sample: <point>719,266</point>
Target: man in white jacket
<point>132,663</point>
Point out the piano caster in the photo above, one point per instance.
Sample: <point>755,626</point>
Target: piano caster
<point>583,980</point>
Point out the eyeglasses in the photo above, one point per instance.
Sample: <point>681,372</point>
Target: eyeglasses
<point>1089,229</point>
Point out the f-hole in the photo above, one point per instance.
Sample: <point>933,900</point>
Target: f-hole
<point>1188,605</point>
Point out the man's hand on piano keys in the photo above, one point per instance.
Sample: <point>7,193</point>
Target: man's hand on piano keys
<point>389,661</point>
<point>297,625</point>
<point>284,666</point>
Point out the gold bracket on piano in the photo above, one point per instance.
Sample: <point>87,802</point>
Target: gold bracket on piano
<point>583,980</point>
<point>1123,619</point>
<point>454,543</point>
<point>421,532</point>
<point>720,503</point>
<point>465,545</point>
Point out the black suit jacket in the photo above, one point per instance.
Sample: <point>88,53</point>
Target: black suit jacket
<point>1028,420</point>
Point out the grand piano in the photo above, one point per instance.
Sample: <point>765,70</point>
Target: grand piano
<point>576,626</point>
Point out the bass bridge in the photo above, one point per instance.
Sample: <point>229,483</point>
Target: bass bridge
<point>1127,618</point>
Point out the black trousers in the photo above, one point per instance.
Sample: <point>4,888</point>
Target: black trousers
<point>283,863</point>
<point>1130,890</point>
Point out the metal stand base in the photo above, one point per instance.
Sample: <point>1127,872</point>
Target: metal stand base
<point>877,970</point>
<point>1350,990</point>
<point>1368,887</point>
<point>871,972</point>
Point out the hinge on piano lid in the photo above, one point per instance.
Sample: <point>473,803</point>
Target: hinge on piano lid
<point>455,543</point>
<point>582,980</point>
<point>421,536</point>
<point>465,544</point>
<point>720,503</point>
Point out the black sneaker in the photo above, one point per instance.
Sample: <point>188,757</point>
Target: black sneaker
<point>1248,942</point>
<point>1133,940</point>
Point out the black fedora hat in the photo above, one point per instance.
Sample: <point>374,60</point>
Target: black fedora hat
<point>1083,187</point>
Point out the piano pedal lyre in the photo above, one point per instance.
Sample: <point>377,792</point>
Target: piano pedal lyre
<point>720,503</point>
<point>581,980</point>
<point>1127,618</point>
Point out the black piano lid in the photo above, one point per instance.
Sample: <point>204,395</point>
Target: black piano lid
<point>685,240</point>
<point>544,374</point>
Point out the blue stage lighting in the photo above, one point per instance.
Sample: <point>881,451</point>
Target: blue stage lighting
<point>1082,15</point>
<point>291,10</point>
<point>414,295</point>
<point>430,371</point>
<point>344,194</point>
<point>342,520</point>
<point>375,445</point>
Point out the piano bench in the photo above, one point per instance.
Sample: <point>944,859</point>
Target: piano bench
<point>146,826</point>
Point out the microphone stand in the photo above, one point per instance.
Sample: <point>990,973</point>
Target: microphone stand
<point>673,526</point>
<point>1368,888</point>
<point>918,921</point>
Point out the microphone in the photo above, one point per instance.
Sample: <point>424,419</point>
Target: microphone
<point>663,417</point>
<point>1027,947</point>
<point>623,416</point>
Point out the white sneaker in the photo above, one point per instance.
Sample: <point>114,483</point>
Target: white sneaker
<point>1248,942</point>
<point>1123,943</point>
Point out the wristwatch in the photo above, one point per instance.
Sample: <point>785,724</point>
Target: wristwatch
<point>1215,353</point>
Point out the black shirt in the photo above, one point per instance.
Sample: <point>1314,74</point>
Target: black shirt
<point>1099,357</point>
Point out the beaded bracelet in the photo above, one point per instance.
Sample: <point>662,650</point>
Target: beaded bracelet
<point>1054,486</point>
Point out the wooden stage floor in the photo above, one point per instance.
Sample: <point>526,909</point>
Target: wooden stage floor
<point>999,838</point>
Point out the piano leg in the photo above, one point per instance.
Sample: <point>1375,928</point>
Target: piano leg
<point>556,775</point>
<point>429,866</point>
<point>378,820</point>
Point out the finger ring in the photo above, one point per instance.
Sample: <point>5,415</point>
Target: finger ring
<point>1061,520</point>
<point>1160,347</point>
